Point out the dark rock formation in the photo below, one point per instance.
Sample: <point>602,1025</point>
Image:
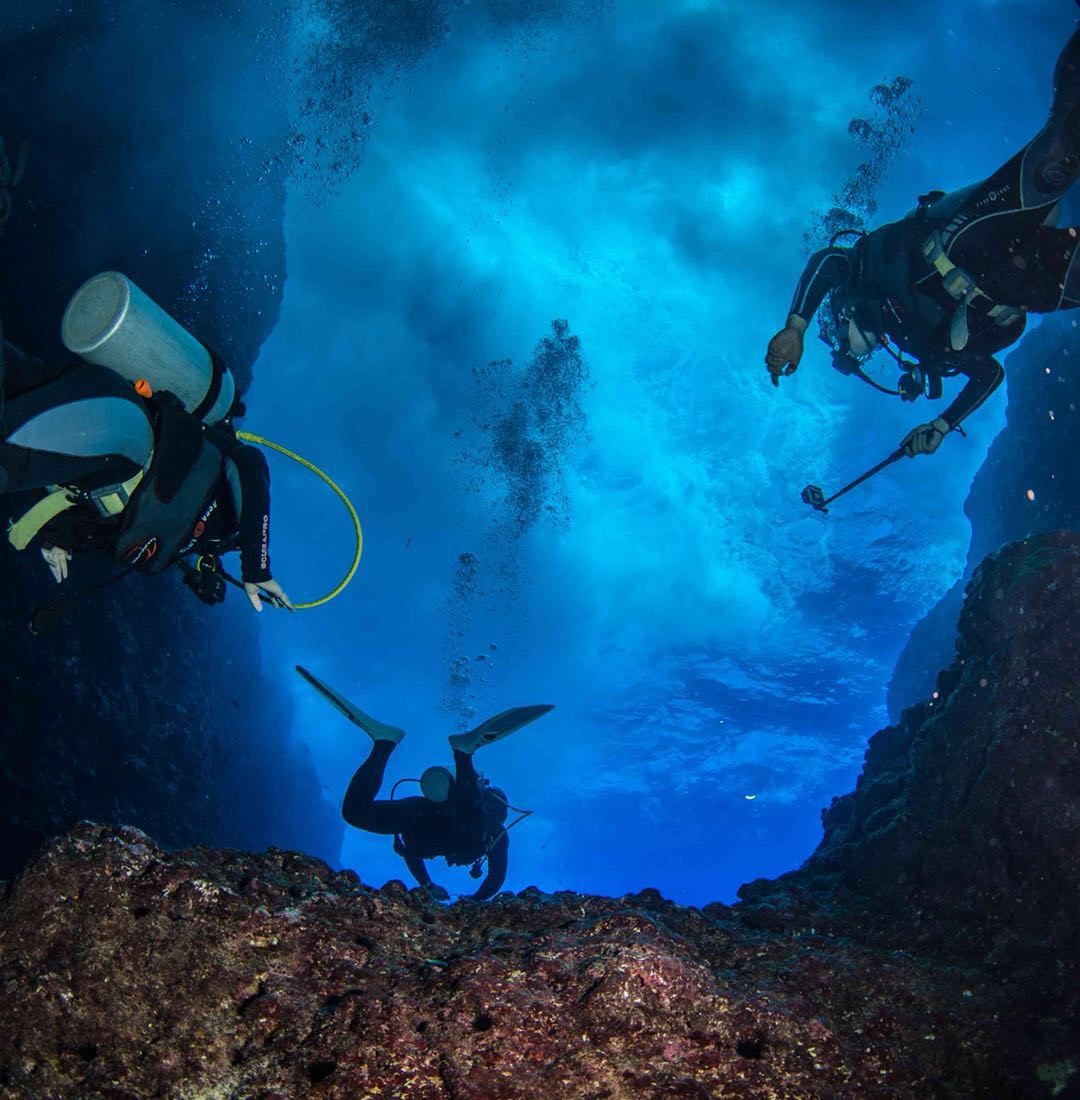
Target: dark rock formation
<point>1038,450</point>
<point>928,949</point>
<point>962,837</point>
<point>155,135</point>
<point>990,762</point>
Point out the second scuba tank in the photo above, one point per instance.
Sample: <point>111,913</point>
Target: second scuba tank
<point>111,322</point>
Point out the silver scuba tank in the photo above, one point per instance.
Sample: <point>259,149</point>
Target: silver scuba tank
<point>111,322</point>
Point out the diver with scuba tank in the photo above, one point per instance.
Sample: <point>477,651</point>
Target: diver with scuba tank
<point>133,452</point>
<point>458,816</point>
<point>950,285</point>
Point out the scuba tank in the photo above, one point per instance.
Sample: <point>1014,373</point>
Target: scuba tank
<point>111,322</point>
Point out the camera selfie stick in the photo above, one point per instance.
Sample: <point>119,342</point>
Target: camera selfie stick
<point>817,500</point>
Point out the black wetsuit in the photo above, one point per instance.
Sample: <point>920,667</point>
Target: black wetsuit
<point>85,427</point>
<point>996,230</point>
<point>462,830</point>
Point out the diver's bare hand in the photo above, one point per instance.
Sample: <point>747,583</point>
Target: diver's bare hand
<point>269,590</point>
<point>57,561</point>
<point>786,349</point>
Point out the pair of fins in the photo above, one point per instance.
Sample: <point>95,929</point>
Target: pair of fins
<point>491,729</point>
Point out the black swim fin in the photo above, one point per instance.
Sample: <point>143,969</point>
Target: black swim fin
<point>376,730</point>
<point>498,726</point>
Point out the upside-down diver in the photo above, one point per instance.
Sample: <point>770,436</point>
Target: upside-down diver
<point>951,284</point>
<point>459,817</point>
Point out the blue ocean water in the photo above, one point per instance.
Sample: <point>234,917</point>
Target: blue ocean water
<point>717,654</point>
<point>610,521</point>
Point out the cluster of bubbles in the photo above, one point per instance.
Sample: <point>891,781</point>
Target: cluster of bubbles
<point>884,136</point>
<point>466,590</point>
<point>530,422</point>
<point>529,425</point>
<point>352,52</point>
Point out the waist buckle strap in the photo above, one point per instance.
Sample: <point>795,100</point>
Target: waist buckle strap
<point>961,286</point>
<point>110,500</point>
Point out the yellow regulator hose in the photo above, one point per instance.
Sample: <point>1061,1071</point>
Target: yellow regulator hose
<point>340,587</point>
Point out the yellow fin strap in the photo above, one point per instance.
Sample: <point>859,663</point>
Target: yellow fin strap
<point>23,531</point>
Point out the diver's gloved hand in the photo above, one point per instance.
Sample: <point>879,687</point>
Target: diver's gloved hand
<point>786,349</point>
<point>437,892</point>
<point>57,561</point>
<point>269,590</point>
<point>926,438</point>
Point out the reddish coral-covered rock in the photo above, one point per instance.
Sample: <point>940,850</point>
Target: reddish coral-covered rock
<point>126,971</point>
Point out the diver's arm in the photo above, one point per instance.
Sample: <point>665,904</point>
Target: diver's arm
<point>496,873</point>
<point>249,482</point>
<point>418,870</point>
<point>825,271</point>
<point>984,374</point>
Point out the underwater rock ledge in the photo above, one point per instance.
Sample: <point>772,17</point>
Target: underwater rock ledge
<point>927,949</point>
<point>1036,451</point>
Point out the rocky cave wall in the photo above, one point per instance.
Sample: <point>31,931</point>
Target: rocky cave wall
<point>1037,450</point>
<point>155,136</point>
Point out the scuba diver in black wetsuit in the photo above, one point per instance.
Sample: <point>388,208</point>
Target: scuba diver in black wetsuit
<point>460,817</point>
<point>133,473</point>
<point>951,284</point>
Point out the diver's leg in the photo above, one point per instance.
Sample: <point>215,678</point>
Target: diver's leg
<point>1052,158</point>
<point>1049,276</point>
<point>360,808</point>
<point>465,776</point>
<point>466,792</point>
<point>1006,207</point>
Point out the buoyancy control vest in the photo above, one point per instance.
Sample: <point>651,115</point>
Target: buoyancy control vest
<point>110,321</point>
<point>905,289</point>
<point>926,299</point>
<point>186,471</point>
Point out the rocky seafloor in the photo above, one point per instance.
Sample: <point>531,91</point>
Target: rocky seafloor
<point>927,949</point>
